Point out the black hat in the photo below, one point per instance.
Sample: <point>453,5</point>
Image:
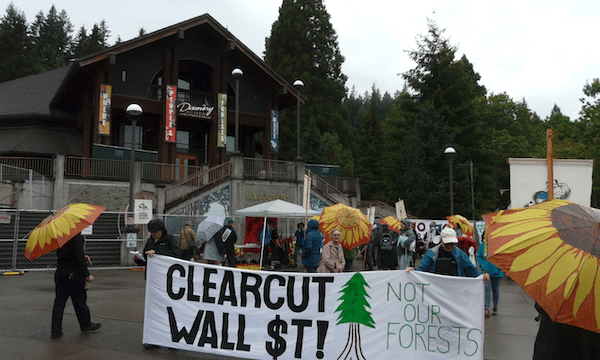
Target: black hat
<point>156,225</point>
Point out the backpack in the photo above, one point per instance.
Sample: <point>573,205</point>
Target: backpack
<point>386,242</point>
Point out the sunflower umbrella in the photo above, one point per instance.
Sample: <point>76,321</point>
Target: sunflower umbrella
<point>354,225</point>
<point>59,228</point>
<point>552,251</point>
<point>392,222</point>
<point>465,225</point>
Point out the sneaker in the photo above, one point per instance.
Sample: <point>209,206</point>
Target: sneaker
<point>56,335</point>
<point>487,312</point>
<point>495,311</point>
<point>91,327</point>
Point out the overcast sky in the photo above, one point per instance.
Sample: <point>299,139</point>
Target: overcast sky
<point>542,51</point>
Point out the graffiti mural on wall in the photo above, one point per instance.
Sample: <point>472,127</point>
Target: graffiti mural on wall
<point>316,203</point>
<point>216,203</point>
<point>562,191</point>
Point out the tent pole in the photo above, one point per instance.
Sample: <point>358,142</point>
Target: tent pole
<point>262,243</point>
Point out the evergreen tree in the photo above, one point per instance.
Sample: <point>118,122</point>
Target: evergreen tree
<point>450,87</point>
<point>96,41</point>
<point>52,41</point>
<point>370,150</point>
<point>15,46</point>
<point>303,45</point>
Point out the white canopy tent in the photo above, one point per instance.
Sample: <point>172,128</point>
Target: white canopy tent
<point>275,209</point>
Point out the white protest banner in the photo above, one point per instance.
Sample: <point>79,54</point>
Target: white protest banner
<point>279,315</point>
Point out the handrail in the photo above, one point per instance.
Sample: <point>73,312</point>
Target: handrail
<point>181,189</point>
<point>328,189</point>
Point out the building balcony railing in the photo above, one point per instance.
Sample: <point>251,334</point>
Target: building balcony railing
<point>43,166</point>
<point>269,169</point>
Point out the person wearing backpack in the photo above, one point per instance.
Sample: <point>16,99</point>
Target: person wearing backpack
<point>406,244</point>
<point>386,256</point>
<point>225,239</point>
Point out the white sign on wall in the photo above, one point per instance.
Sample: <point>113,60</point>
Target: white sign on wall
<point>143,211</point>
<point>529,178</point>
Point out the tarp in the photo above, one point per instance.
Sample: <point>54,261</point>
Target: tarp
<point>285,315</point>
<point>276,208</point>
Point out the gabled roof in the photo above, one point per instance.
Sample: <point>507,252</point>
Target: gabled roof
<point>31,95</point>
<point>175,29</point>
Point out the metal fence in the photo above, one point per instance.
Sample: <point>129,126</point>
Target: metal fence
<point>107,245</point>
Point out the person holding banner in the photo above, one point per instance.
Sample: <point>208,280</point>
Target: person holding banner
<point>160,242</point>
<point>332,258</point>
<point>448,259</point>
<point>311,247</point>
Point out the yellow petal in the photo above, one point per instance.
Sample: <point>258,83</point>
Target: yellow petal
<point>534,255</point>
<point>597,296</point>
<point>541,270</point>
<point>528,214</point>
<point>587,275</point>
<point>563,268</point>
<point>520,227</point>
<point>570,285</point>
<point>528,239</point>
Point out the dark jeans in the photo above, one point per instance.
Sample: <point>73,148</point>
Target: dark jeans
<point>70,284</point>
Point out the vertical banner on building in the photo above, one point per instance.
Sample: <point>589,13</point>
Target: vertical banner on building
<point>171,115</point>
<point>222,121</point>
<point>104,108</point>
<point>274,131</point>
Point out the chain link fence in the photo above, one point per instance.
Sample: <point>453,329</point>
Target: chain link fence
<point>109,244</point>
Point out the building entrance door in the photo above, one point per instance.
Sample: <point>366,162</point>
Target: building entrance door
<point>184,162</point>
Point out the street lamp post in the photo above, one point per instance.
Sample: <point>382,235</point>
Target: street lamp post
<point>134,112</point>
<point>298,84</point>
<point>237,73</point>
<point>450,152</point>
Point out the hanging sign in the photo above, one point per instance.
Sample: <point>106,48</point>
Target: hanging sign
<point>203,111</point>
<point>274,131</point>
<point>171,116</point>
<point>253,314</point>
<point>222,121</point>
<point>104,108</point>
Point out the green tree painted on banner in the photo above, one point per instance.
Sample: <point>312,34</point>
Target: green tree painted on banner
<point>353,310</point>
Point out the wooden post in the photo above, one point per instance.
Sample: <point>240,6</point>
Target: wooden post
<point>550,163</point>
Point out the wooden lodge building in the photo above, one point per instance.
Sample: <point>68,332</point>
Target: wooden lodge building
<point>70,125</point>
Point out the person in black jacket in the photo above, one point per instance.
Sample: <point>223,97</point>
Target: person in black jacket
<point>225,239</point>
<point>70,278</point>
<point>160,242</point>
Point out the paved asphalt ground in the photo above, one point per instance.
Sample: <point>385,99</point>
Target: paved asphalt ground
<point>116,299</point>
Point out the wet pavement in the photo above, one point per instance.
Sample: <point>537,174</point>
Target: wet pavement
<point>116,299</point>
